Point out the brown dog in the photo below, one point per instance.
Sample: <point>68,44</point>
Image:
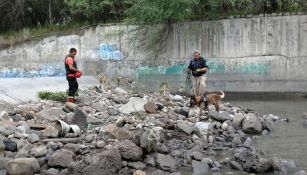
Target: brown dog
<point>203,101</point>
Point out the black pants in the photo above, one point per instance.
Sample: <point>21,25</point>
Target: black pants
<point>73,86</point>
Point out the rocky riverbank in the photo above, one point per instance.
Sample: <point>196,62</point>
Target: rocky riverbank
<point>128,133</point>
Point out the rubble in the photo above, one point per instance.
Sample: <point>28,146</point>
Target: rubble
<point>114,131</point>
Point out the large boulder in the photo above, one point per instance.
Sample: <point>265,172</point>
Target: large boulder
<point>251,124</point>
<point>252,162</point>
<point>238,119</point>
<point>61,158</point>
<point>135,104</point>
<point>107,162</point>
<point>129,150</point>
<point>149,140</point>
<point>23,166</point>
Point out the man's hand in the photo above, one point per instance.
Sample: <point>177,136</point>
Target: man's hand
<point>198,70</point>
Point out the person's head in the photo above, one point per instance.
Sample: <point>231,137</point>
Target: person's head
<point>196,54</point>
<point>72,52</point>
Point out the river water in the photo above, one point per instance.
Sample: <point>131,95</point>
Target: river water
<point>288,140</point>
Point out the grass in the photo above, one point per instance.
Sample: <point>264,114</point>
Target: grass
<point>54,96</point>
<point>11,38</point>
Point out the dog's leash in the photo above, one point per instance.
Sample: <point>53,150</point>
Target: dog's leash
<point>188,81</point>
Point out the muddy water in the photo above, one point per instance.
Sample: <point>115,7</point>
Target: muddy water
<point>288,140</point>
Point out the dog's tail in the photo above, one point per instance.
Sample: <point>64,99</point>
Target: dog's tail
<point>221,94</point>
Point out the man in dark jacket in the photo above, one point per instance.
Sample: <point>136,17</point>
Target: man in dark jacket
<point>199,68</point>
<point>71,70</point>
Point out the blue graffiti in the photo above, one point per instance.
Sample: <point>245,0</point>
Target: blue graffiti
<point>111,51</point>
<point>46,70</point>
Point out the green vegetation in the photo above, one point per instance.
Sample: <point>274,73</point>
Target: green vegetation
<point>22,20</point>
<point>54,96</point>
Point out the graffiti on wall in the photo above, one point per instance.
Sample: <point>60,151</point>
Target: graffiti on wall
<point>214,67</point>
<point>106,51</point>
<point>46,70</point>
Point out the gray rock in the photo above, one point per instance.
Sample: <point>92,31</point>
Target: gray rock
<point>25,151</point>
<point>113,111</point>
<point>50,131</point>
<point>184,111</point>
<point>238,119</point>
<point>185,126</point>
<point>52,171</point>
<point>4,161</point>
<point>223,116</point>
<point>251,124</point>
<point>10,145</point>
<point>150,160</point>
<point>100,144</point>
<point>149,140</point>
<point>135,104</point>
<point>136,165</point>
<point>51,114</point>
<point>201,128</point>
<point>75,148</point>
<point>129,150</point>
<point>122,134</point>
<point>199,168</point>
<point>252,162</point>
<point>166,162</point>
<point>61,158</point>
<point>32,138</point>
<point>107,162</point>
<point>90,138</point>
<point>39,151</point>
<point>162,148</point>
<point>4,115</point>
<point>23,166</point>
<point>301,172</point>
<point>79,118</point>
<point>7,130</point>
<point>236,165</point>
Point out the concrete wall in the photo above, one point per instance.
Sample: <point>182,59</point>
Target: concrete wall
<point>261,53</point>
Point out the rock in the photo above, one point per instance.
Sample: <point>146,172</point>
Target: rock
<point>119,90</point>
<point>122,134</point>
<point>201,128</point>
<point>79,118</point>
<point>135,104</point>
<point>177,97</point>
<point>113,111</point>
<point>51,114</point>
<point>251,124</point>
<point>236,165</point>
<point>107,162</point>
<point>7,130</point>
<point>149,140</point>
<point>150,107</point>
<point>4,115</point>
<point>166,162</point>
<point>223,116</point>
<point>52,171</point>
<point>137,165</point>
<point>139,172</point>
<point>10,145</point>
<point>50,131</point>
<point>252,162</point>
<point>129,150</point>
<point>61,158</point>
<point>238,119</point>
<point>75,148</point>
<point>32,138</point>
<point>100,144</point>
<point>3,162</point>
<point>301,172</point>
<point>111,130</point>
<point>23,166</point>
<point>120,122</point>
<point>25,151</point>
<point>119,99</point>
<point>184,111</point>
<point>185,126</point>
<point>199,168</point>
<point>90,138</point>
<point>39,151</point>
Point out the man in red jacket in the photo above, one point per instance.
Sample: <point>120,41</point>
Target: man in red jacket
<point>71,70</point>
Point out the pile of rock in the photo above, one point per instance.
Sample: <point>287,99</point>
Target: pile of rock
<point>126,133</point>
